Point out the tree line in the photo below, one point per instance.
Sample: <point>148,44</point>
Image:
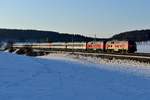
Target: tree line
<point>137,35</point>
<point>16,35</point>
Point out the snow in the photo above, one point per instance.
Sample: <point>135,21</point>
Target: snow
<point>62,77</point>
<point>143,47</point>
<point>109,64</point>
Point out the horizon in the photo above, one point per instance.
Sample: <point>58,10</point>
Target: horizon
<point>85,17</point>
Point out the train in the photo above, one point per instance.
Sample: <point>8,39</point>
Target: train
<point>112,46</point>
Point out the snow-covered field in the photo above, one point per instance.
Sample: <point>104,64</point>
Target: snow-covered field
<point>64,77</point>
<point>143,47</point>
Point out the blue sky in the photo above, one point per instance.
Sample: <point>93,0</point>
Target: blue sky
<point>88,17</point>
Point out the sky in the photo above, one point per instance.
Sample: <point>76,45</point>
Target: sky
<point>102,18</point>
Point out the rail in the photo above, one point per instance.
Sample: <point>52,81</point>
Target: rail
<point>141,57</point>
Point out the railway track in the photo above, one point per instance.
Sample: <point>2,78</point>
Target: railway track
<point>140,57</point>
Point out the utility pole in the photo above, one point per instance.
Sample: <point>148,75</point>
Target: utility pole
<point>95,38</point>
<point>72,43</point>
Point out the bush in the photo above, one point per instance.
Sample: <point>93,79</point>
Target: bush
<point>25,50</point>
<point>11,50</point>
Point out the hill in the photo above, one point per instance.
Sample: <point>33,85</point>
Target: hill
<point>51,36</point>
<point>39,36</point>
<point>137,35</point>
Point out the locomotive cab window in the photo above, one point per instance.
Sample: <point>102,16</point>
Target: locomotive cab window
<point>112,42</point>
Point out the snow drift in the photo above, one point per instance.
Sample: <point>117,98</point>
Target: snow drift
<point>25,78</point>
